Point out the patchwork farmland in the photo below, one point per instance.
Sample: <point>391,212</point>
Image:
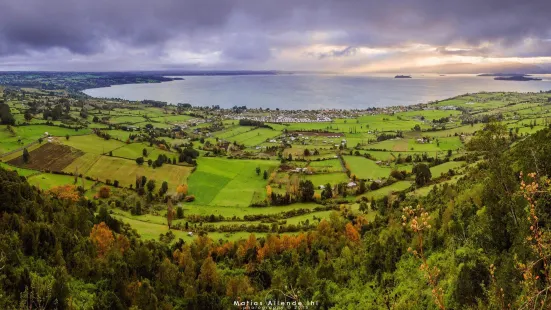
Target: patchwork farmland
<point>230,173</point>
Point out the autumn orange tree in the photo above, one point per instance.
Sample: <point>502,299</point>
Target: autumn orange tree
<point>351,233</point>
<point>102,237</point>
<point>104,192</point>
<point>66,192</point>
<point>208,277</point>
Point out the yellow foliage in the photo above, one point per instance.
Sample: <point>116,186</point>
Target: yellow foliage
<point>68,192</point>
<point>182,189</point>
<point>317,196</point>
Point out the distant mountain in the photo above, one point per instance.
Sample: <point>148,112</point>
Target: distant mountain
<point>522,78</point>
<point>503,74</point>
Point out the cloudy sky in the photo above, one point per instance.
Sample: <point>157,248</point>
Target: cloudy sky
<point>331,35</point>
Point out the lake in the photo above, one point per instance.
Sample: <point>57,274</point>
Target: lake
<point>314,91</point>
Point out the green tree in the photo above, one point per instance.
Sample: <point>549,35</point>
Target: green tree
<point>361,188</point>
<point>163,189</point>
<point>327,192</point>
<point>306,190</point>
<point>28,116</point>
<point>179,212</point>
<point>26,155</point>
<point>150,185</point>
<point>6,117</point>
<point>422,174</point>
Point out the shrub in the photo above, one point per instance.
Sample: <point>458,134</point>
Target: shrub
<point>104,192</point>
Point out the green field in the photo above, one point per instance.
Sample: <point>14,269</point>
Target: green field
<point>24,135</point>
<point>135,150</point>
<point>20,171</point>
<point>219,181</point>
<point>384,191</point>
<point>49,180</point>
<point>324,178</point>
<point>83,163</point>
<point>365,168</point>
<point>172,119</point>
<point>412,145</point>
<point>423,191</point>
<point>436,171</point>
<point>92,144</point>
<point>118,119</point>
<point>331,165</point>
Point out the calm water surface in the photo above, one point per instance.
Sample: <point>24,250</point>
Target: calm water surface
<point>311,91</point>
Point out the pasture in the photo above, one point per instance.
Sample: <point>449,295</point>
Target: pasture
<point>21,171</point>
<point>384,191</point>
<point>331,165</point>
<point>436,171</point>
<point>48,180</point>
<point>255,137</point>
<point>135,150</point>
<point>223,182</point>
<point>125,171</point>
<point>23,135</point>
<point>324,178</point>
<point>92,144</point>
<point>82,164</point>
<point>365,168</point>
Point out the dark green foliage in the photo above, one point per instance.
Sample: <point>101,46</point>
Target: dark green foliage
<point>6,118</point>
<point>306,189</point>
<point>422,174</point>
<point>327,192</point>
<point>150,185</point>
<point>26,155</point>
<point>179,213</point>
<point>163,189</point>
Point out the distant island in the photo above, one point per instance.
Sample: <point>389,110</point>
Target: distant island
<point>516,78</point>
<point>503,74</point>
<point>403,77</point>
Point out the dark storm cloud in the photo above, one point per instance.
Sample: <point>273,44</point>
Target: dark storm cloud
<point>245,30</point>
